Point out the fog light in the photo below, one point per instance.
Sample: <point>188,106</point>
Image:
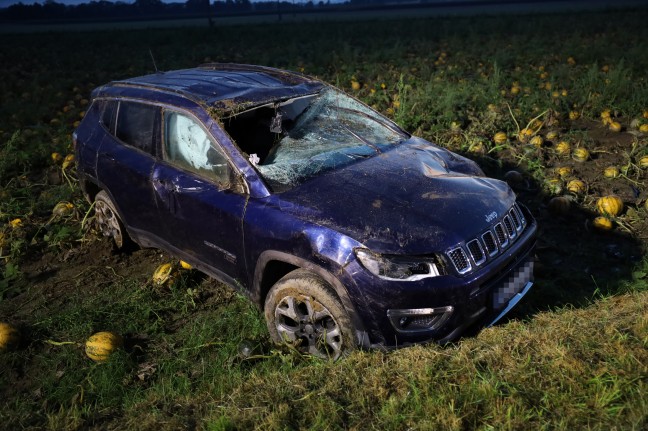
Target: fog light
<point>419,319</point>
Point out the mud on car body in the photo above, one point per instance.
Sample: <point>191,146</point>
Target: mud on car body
<point>343,228</point>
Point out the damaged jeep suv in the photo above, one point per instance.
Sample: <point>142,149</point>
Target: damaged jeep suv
<point>343,228</point>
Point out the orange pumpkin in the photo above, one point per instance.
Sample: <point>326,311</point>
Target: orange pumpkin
<point>164,275</point>
<point>537,141</point>
<point>611,172</point>
<point>552,135</point>
<point>614,126</point>
<point>643,162</point>
<point>602,223</point>
<point>580,154</point>
<point>69,161</point>
<point>563,148</point>
<point>9,336</point>
<point>500,138</point>
<point>576,186</point>
<point>610,206</point>
<point>62,209</point>
<point>554,185</point>
<point>102,344</point>
<point>478,148</point>
<point>524,135</point>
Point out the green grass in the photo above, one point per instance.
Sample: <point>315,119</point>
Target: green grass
<point>546,373</point>
<point>574,355</point>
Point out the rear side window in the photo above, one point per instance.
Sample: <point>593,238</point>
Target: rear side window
<point>108,114</point>
<point>137,125</point>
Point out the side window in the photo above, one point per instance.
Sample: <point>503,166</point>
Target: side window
<point>188,146</point>
<point>108,114</point>
<point>136,125</point>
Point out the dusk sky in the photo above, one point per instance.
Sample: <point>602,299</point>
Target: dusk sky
<point>6,3</point>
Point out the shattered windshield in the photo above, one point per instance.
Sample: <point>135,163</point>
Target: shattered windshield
<point>318,133</point>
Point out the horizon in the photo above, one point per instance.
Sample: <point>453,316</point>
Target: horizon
<point>7,3</point>
<point>448,6</point>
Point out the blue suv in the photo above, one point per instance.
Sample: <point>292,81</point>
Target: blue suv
<point>343,228</point>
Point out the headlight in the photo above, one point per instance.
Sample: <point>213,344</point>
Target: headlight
<point>400,268</point>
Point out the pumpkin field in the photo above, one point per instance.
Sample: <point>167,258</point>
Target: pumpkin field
<point>555,104</point>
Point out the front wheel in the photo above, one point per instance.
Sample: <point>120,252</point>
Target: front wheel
<point>302,309</point>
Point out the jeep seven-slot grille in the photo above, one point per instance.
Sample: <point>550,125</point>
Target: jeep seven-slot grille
<point>476,251</point>
<point>460,260</point>
<point>490,243</point>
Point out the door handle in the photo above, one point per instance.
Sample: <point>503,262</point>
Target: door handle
<point>166,185</point>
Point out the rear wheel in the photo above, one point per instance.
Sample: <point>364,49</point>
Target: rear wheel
<point>108,220</point>
<point>302,309</point>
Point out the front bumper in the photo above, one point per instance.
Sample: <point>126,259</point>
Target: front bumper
<point>448,305</point>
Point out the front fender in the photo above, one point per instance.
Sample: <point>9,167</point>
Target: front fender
<point>273,255</point>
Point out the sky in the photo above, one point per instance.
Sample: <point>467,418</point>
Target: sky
<point>6,3</point>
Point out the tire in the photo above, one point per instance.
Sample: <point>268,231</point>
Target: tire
<point>302,309</point>
<point>109,222</point>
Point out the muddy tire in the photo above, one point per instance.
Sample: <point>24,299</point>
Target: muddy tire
<point>109,222</point>
<point>303,310</point>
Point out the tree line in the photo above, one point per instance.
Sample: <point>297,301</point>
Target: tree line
<point>146,9</point>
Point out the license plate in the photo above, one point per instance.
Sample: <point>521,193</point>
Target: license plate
<point>513,285</point>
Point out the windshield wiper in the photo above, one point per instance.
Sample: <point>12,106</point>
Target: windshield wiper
<point>361,139</point>
<point>377,120</point>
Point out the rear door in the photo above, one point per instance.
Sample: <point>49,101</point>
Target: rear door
<point>200,196</point>
<point>125,164</point>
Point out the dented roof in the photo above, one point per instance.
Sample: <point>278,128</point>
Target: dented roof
<point>220,85</point>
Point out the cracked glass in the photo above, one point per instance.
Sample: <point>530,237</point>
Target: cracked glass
<point>321,133</point>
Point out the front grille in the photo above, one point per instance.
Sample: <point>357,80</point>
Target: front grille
<point>476,251</point>
<point>459,260</point>
<point>502,239</point>
<point>510,229</point>
<point>515,218</point>
<point>490,243</point>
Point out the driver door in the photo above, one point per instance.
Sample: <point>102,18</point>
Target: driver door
<point>199,196</point>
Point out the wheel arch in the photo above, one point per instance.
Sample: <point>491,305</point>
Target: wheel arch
<point>131,239</point>
<point>273,265</point>
<point>90,189</point>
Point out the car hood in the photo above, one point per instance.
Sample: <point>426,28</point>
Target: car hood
<point>414,199</point>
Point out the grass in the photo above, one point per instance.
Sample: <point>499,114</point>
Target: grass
<point>573,356</point>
